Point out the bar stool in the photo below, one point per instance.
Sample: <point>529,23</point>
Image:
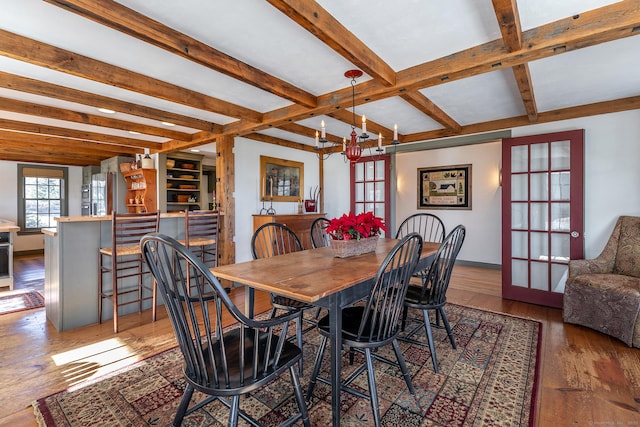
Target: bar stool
<point>201,235</point>
<point>126,262</point>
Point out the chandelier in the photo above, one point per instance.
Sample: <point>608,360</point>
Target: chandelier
<point>353,149</point>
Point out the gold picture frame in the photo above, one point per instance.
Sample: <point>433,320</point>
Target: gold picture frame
<point>444,187</point>
<point>281,180</point>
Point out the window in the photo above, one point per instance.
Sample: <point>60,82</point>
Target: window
<point>41,196</point>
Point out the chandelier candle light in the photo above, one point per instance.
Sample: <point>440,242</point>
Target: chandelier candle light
<point>353,150</point>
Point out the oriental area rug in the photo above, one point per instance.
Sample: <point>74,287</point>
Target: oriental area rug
<point>21,301</point>
<point>489,380</point>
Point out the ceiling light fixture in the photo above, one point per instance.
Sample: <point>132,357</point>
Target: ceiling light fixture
<point>133,132</point>
<point>168,124</point>
<point>106,111</point>
<point>352,150</point>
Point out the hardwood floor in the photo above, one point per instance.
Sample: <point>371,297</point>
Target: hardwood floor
<point>586,378</point>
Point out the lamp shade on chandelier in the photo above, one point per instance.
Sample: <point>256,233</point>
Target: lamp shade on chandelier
<point>352,149</point>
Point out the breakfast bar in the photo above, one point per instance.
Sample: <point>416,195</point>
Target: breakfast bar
<point>71,267</point>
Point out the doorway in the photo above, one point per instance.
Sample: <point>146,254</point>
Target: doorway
<point>370,189</point>
<point>542,214</point>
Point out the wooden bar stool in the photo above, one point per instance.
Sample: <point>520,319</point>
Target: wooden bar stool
<point>126,262</point>
<point>201,235</point>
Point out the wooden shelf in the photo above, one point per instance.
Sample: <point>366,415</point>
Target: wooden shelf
<point>186,169</point>
<point>141,189</point>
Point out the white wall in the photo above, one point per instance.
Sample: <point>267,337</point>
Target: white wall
<point>247,183</point>
<point>612,174</point>
<point>482,222</point>
<point>9,202</point>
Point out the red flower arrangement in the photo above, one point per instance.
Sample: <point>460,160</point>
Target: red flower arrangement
<point>355,227</point>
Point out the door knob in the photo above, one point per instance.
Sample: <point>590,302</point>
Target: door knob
<point>575,234</point>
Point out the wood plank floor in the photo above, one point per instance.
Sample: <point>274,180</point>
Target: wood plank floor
<point>586,378</point>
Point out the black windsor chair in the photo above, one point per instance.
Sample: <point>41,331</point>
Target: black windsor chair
<point>432,295</point>
<point>319,236</point>
<point>376,323</point>
<point>224,365</point>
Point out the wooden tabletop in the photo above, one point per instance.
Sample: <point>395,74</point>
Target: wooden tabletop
<point>312,274</point>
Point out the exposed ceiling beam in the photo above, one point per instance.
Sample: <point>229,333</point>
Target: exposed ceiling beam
<point>19,155</point>
<point>37,87</point>
<point>23,107</point>
<point>509,22</point>
<point>618,105</point>
<point>63,145</point>
<point>373,128</point>
<point>76,134</point>
<point>44,55</point>
<point>279,141</point>
<point>424,104</point>
<point>125,20</point>
<point>608,23</point>
<point>311,16</point>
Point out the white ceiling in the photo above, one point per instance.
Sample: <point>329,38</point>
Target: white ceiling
<point>403,33</point>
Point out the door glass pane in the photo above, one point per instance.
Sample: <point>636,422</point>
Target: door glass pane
<point>519,244</point>
<point>359,192</point>
<point>379,210</point>
<point>539,246</point>
<point>519,187</point>
<point>370,172</point>
<point>379,191</point>
<point>369,192</point>
<point>359,208</point>
<point>519,273</point>
<point>379,170</point>
<point>539,216</point>
<point>370,207</point>
<point>560,217</point>
<point>558,277</point>
<point>560,247</point>
<point>519,159</point>
<point>519,217</point>
<point>359,171</point>
<point>540,157</point>
<point>560,154</point>
<point>540,276</point>
<point>560,185</point>
<point>539,186</point>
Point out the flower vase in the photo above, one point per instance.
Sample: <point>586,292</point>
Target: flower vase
<point>349,248</point>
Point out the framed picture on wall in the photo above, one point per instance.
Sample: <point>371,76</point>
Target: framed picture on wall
<point>281,180</point>
<point>444,187</point>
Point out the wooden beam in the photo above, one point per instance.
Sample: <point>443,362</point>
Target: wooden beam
<point>509,21</point>
<point>225,187</point>
<point>279,141</point>
<point>311,16</point>
<point>57,159</point>
<point>37,87</point>
<point>624,104</point>
<point>425,105</point>
<point>64,145</point>
<point>44,55</point>
<point>77,134</point>
<point>373,128</point>
<point>132,23</point>
<point>29,108</point>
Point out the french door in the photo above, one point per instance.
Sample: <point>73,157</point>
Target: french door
<point>370,191</point>
<point>542,214</point>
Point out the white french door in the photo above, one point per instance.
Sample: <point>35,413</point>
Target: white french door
<point>542,214</point>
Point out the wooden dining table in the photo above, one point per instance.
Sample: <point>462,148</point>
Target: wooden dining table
<point>317,277</point>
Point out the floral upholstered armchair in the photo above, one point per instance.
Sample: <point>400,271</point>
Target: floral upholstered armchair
<point>604,293</point>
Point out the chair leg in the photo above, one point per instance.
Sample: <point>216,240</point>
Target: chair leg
<point>100,288</point>
<point>297,388</point>
<point>405,312</point>
<point>114,292</point>
<point>373,391</point>
<point>184,404</point>
<point>432,347</point>
<point>316,368</point>
<point>299,335</point>
<point>235,410</point>
<point>445,320</point>
<point>403,367</point>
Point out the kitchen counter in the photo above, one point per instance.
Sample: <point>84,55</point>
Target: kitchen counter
<point>71,267</point>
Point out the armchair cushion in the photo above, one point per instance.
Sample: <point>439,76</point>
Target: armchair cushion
<point>604,293</point>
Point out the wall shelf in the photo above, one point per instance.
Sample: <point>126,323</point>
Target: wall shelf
<point>140,196</point>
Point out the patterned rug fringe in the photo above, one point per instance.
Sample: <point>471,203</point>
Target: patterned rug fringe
<point>21,301</point>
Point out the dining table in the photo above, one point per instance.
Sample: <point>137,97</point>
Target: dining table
<point>317,277</point>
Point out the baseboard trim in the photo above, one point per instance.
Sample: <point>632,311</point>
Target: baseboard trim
<point>479,264</point>
<point>29,252</point>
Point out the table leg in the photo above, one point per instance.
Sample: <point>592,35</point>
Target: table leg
<point>249,296</point>
<point>335,329</point>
